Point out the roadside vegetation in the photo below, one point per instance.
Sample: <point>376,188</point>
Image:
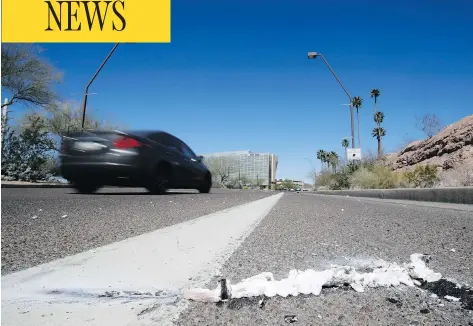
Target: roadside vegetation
<point>372,172</point>
<point>30,143</point>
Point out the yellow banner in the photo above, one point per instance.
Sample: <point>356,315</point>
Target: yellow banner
<point>59,21</point>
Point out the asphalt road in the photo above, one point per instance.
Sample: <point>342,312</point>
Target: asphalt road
<point>302,231</point>
<point>111,215</point>
<point>310,231</point>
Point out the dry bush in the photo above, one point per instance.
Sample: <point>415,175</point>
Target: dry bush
<point>422,176</point>
<point>378,177</point>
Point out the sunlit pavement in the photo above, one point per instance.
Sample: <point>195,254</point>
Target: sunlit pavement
<point>301,231</point>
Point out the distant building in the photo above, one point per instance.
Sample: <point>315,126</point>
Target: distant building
<point>256,168</point>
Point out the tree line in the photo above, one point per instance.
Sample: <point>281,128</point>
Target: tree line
<point>31,143</point>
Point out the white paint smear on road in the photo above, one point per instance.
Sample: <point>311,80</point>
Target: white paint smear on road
<point>385,274</point>
<point>137,281</point>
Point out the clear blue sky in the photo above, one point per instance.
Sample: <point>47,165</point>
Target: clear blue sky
<point>236,75</point>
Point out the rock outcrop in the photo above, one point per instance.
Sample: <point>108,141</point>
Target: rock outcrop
<point>450,148</point>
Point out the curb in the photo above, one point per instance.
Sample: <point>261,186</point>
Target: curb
<point>463,195</point>
<point>36,185</point>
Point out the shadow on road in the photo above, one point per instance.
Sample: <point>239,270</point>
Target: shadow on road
<point>135,193</point>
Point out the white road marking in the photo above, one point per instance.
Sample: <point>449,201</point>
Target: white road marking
<point>137,281</point>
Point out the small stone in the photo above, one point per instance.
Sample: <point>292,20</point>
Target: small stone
<point>261,303</point>
<point>424,311</point>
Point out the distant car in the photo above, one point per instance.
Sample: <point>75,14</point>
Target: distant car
<point>305,189</point>
<point>298,189</point>
<point>155,160</point>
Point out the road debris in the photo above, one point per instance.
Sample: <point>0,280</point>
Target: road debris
<point>290,319</point>
<point>452,250</point>
<point>65,215</point>
<point>311,282</point>
<point>395,301</point>
<point>450,298</point>
<point>34,217</point>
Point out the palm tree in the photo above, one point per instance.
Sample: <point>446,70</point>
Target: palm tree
<point>321,156</point>
<point>357,102</point>
<point>326,158</point>
<point>345,144</point>
<point>333,160</point>
<point>378,118</point>
<point>379,133</point>
<point>375,93</point>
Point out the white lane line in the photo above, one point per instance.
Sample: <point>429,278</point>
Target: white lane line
<point>137,281</point>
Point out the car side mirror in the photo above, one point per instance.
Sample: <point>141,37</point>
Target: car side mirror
<point>200,158</point>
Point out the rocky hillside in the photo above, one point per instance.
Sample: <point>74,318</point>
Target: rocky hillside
<point>451,148</point>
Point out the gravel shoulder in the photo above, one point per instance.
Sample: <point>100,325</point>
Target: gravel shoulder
<point>67,223</point>
<point>314,231</point>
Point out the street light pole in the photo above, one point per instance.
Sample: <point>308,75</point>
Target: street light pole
<point>86,93</point>
<point>310,163</point>
<point>313,55</point>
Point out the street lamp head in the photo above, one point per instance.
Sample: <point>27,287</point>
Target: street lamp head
<point>312,55</point>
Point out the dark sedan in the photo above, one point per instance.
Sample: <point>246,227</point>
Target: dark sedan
<point>155,160</point>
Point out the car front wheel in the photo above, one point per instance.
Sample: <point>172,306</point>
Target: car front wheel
<point>206,186</point>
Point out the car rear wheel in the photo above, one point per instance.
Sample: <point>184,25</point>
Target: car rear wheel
<point>160,180</point>
<point>206,186</point>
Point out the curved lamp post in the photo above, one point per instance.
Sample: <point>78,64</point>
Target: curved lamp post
<point>86,93</point>
<point>313,55</point>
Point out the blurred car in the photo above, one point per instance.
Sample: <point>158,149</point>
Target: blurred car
<point>298,189</point>
<point>155,160</point>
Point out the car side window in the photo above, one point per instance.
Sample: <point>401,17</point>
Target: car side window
<point>187,151</point>
<point>165,140</point>
<point>173,143</point>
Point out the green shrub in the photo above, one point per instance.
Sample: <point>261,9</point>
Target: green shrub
<point>423,176</point>
<point>334,181</point>
<point>340,180</point>
<point>323,179</point>
<point>25,153</point>
<point>375,177</point>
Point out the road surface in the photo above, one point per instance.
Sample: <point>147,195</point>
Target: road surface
<point>120,239</point>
